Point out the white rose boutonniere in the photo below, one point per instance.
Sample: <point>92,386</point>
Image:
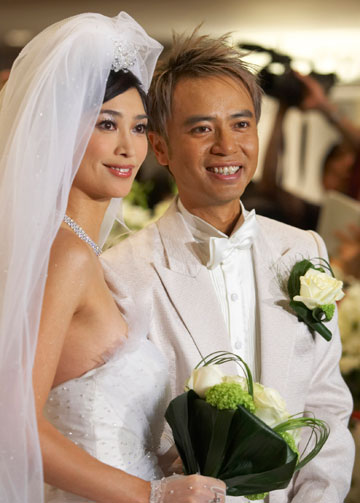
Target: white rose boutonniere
<point>313,293</point>
<point>319,289</point>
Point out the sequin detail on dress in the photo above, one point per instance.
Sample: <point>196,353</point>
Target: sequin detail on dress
<point>115,412</point>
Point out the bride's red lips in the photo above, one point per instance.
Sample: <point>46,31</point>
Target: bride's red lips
<point>121,171</point>
<point>120,166</point>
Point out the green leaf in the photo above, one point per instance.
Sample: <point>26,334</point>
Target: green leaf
<point>233,445</point>
<point>323,264</point>
<point>319,429</point>
<point>177,415</point>
<point>306,316</point>
<point>298,270</point>
<point>257,459</point>
<point>218,441</point>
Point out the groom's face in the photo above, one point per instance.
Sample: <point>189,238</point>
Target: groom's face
<point>212,145</point>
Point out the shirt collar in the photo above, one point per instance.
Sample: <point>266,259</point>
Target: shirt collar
<point>203,231</point>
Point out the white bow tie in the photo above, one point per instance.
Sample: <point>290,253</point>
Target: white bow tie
<point>221,248</point>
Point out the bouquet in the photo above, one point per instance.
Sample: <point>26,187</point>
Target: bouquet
<point>239,431</point>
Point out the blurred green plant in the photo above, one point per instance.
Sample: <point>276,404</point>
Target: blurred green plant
<point>139,193</point>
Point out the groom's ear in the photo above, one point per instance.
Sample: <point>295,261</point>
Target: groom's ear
<point>160,148</point>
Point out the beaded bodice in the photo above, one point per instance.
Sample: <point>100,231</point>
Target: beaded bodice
<point>115,412</point>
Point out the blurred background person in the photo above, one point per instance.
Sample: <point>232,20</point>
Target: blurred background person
<point>340,170</point>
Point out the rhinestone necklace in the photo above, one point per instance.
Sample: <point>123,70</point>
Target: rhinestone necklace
<point>79,231</point>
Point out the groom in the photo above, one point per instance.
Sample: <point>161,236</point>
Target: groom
<point>212,273</point>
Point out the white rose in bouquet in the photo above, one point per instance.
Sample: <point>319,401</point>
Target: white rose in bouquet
<point>318,289</point>
<point>270,407</point>
<point>203,378</point>
<point>237,379</point>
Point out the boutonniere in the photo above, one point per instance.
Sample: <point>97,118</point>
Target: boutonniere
<point>313,291</point>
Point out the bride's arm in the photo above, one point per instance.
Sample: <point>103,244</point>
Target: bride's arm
<point>66,465</point>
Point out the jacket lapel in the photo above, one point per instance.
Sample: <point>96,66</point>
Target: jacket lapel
<point>189,287</point>
<point>276,323</point>
<point>190,290</point>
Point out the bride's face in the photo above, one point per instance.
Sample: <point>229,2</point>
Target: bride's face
<point>117,148</point>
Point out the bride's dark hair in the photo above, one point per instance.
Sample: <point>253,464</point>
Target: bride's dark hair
<point>119,82</point>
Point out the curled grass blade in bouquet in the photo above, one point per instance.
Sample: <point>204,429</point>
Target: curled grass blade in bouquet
<point>313,291</point>
<point>231,428</point>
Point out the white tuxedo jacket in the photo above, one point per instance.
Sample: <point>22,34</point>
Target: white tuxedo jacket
<point>159,265</point>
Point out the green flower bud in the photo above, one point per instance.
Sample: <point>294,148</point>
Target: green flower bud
<point>329,310</point>
<point>254,497</point>
<point>289,439</point>
<point>228,395</point>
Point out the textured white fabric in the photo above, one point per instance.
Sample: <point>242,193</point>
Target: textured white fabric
<point>115,412</point>
<point>232,275</point>
<point>48,110</point>
<point>222,247</point>
<point>187,322</point>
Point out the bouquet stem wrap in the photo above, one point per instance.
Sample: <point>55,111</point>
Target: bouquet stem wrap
<point>232,445</point>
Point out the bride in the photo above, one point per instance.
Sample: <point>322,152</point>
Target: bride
<point>72,138</point>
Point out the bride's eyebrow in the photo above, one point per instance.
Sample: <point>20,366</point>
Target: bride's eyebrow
<point>119,114</point>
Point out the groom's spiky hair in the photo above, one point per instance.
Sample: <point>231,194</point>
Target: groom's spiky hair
<point>197,56</point>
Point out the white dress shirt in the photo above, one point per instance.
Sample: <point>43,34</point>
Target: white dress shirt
<point>234,284</point>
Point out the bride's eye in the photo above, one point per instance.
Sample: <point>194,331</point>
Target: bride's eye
<point>107,125</point>
<point>140,128</point>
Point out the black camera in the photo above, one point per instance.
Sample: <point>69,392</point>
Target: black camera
<point>284,85</point>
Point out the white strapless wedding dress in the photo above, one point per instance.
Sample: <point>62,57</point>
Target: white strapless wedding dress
<point>115,412</point>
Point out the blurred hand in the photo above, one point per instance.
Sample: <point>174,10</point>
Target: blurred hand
<point>315,97</point>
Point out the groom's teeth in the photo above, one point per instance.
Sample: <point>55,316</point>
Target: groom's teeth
<point>227,170</point>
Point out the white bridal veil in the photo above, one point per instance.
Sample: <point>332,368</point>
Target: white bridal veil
<point>48,110</point>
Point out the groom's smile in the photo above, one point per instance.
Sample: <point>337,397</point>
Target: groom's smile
<point>212,144</point>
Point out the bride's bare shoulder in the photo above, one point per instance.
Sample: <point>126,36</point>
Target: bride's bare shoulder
<point>70,254</point>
